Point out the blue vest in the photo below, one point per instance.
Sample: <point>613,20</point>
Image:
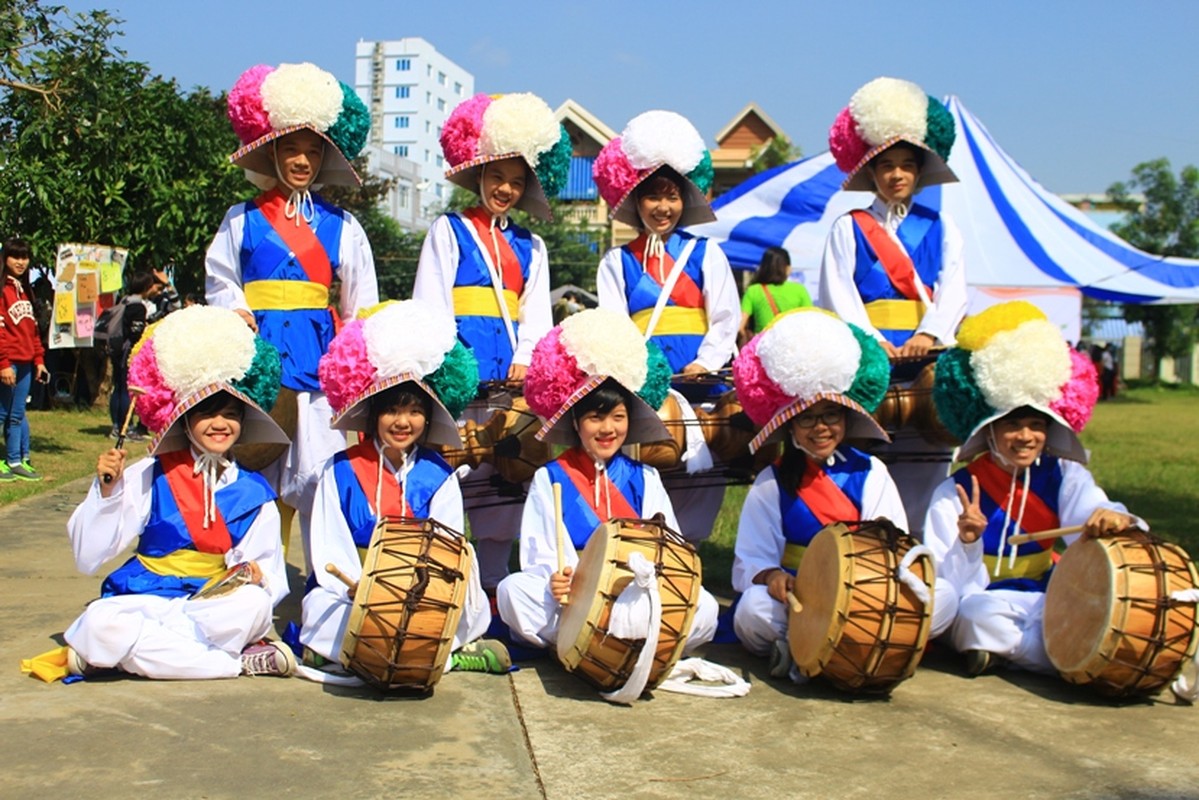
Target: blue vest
<point>239,503</point>
<point>642,292</point>
<point>627,476</point>
<point>800,525</point>
<point>486,336</point>
<point>302,335</point>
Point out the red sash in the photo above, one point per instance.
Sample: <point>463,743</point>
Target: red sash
<point>824,497</point>
<point>579,467</point>
<point>364,460</point>
<point>995,481</point>
<point>509,266</point>
<point>896,263</point>
<point>188,490</point>
<point>300,239</point>
<point>685,293</point>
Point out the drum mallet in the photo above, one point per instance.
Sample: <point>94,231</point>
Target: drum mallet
<point>134,391</point>
<point>1040,536</point>
<point>561,529</point>
<point>332,569</point>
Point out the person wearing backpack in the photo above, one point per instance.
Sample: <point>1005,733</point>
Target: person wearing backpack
<point>125,327</point>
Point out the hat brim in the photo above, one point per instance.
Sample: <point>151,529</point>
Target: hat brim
<point>532,200</point>
<point>257,427</point>
<point>696,208</point>
<point>644,423</point>
<point>336,169</point>
<point>1060,439</point>
<point>442,428</point>
<point>932,172</point>
<point>858,422</point>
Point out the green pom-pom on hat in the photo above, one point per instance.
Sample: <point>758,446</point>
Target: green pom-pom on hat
<point>960,403</point>
<point>703,174</point>
<point>941,130</point>
<point>657,377</point>
<point>874,372</point>
<point>261,381</point>
<point>456,381</point>
<point>353,124</point>
<point>554,165</point>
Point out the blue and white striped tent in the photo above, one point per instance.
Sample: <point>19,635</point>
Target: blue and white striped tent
<point>1018,236</point>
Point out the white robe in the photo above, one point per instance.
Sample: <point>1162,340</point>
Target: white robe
<point>169,638</point>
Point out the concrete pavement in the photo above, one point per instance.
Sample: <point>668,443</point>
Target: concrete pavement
<point>542,733</point>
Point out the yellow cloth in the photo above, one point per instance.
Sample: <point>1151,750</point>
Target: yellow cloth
<point>185,563</point>
<point>675,320</point>
<point>479,301</point>
<point>1032,567</point>
<point>285,295</point>
<point>792,555</point>
<point>895,315</point>
<point>50,666</point>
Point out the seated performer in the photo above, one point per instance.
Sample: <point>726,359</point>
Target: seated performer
<point>812,381</point>
<point>678,288</point>
<point>203,380</point>
<point>491,273</point>
<point>404,392</point>
<point>596,414</point>
<point>1016,394</point>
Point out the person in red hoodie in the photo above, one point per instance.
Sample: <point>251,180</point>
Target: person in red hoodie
<point>21,359</point>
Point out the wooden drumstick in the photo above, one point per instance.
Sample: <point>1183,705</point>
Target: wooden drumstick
<point>793,601</point>
<point>134,391</point>
<point>332,569</point>
<point>1040,536</point>
<point>560,526</point>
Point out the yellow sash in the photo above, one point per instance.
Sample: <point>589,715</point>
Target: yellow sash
<point>1032,567</point>
<point>285,295</point>
<point>185,564</point>
<point>479,301</point>
<point>895,315</point>
<point>675,320</point>
<point>792,555</point>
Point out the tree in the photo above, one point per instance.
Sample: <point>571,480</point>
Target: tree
<point>1165,222</point>
<point>774,153</point>
<point>29,28</point>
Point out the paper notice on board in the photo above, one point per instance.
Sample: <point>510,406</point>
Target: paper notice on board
<point>64,308</point>
<point>87,287</point>
<point>85,323</point>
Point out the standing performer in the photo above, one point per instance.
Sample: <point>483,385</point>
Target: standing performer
<point>404,393</point>
<point>193,513</point>
<point>677,288</point>
<point>595,381</point>
<point>491,273</point>
<point>812,381</point>
<point>1016,394</point>
<point>275,257</point>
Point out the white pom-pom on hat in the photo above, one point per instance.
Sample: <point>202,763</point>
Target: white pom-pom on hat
<point>198,346</point>
<point>301,94</point>
<point>408,337</point>
<point>1024,366</point>
<point>604,342</point>
<point>518,123</point>
<point>887,108</point>
<point>662,137</point>
<point>810,353</point>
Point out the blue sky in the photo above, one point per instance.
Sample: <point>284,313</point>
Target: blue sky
<point>1078,93</point>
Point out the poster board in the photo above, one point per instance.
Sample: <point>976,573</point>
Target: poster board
<point>87,278</point>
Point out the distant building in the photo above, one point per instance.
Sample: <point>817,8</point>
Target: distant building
<point>737,145</point>
<point>402,203</point>
<point>410,89</point>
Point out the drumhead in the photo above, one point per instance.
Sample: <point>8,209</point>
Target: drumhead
<point>593,571</point>
<point>1079,604</point>
<point>822,587</point>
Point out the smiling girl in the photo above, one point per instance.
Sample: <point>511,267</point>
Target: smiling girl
<point>21,359</point>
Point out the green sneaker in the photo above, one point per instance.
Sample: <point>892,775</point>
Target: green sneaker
<point>482,655</point>
<point>6,473</point>
<point>24,471</point>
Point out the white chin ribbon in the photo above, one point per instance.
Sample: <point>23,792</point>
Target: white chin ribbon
<point>897,212</point>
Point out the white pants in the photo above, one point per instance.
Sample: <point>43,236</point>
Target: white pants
<point>1006,623</point>
<point>531,612</point>
<point>172,638</point>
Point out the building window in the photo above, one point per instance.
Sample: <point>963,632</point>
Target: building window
<point>402,91</point>
<point>428,98</point>
<point>428,126</point>
<point>440,161</point>
<point>440,190</point>
<point>428,70</point>
<point>402,121</point>
<point>441,78</point>
<point>401,150</point>
<point>457,88</point>
<point>440,104</point>
<point>426,156</point>
<point>403,192</point>
<point>403,64</point>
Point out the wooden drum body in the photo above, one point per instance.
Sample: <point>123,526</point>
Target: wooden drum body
<point>584,645</point>
<point>408,604</point>
<point>507,440</point>
<point>860,626</point>
<point>909,404</point>
<point>1109,620</point>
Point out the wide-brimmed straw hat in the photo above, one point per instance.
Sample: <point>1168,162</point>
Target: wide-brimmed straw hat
<point>1008,357</point>
<point>268,103</point>
<point>393,343</point>
<point>193,354</point>
<point>805,356</point>
<point>653,143</point>
<point>580,355</point>
<point>489,128</point>
<point>882,114</point>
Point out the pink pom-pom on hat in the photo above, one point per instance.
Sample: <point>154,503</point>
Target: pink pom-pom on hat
<point>156,402</point>
<point>758,394</point>
<point>552,377</point>
<point>345,371</point>
<point>245,109</point>
<point>843,140</point>
<point>614,174</point>
<point>1079,394</point>
<point>461,132</point>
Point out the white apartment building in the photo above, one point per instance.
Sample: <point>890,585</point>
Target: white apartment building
<point>410,89</point>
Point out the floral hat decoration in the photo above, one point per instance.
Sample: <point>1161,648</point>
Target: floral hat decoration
<point>651,142</point>
<point>805,356</point>
<point>576,357</point>
<point>883,113</point>
<point>268,103</point>
<point>197,352</point>
<point>389,344</point>
<point>1007,357</point>
<point>489,128</point>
